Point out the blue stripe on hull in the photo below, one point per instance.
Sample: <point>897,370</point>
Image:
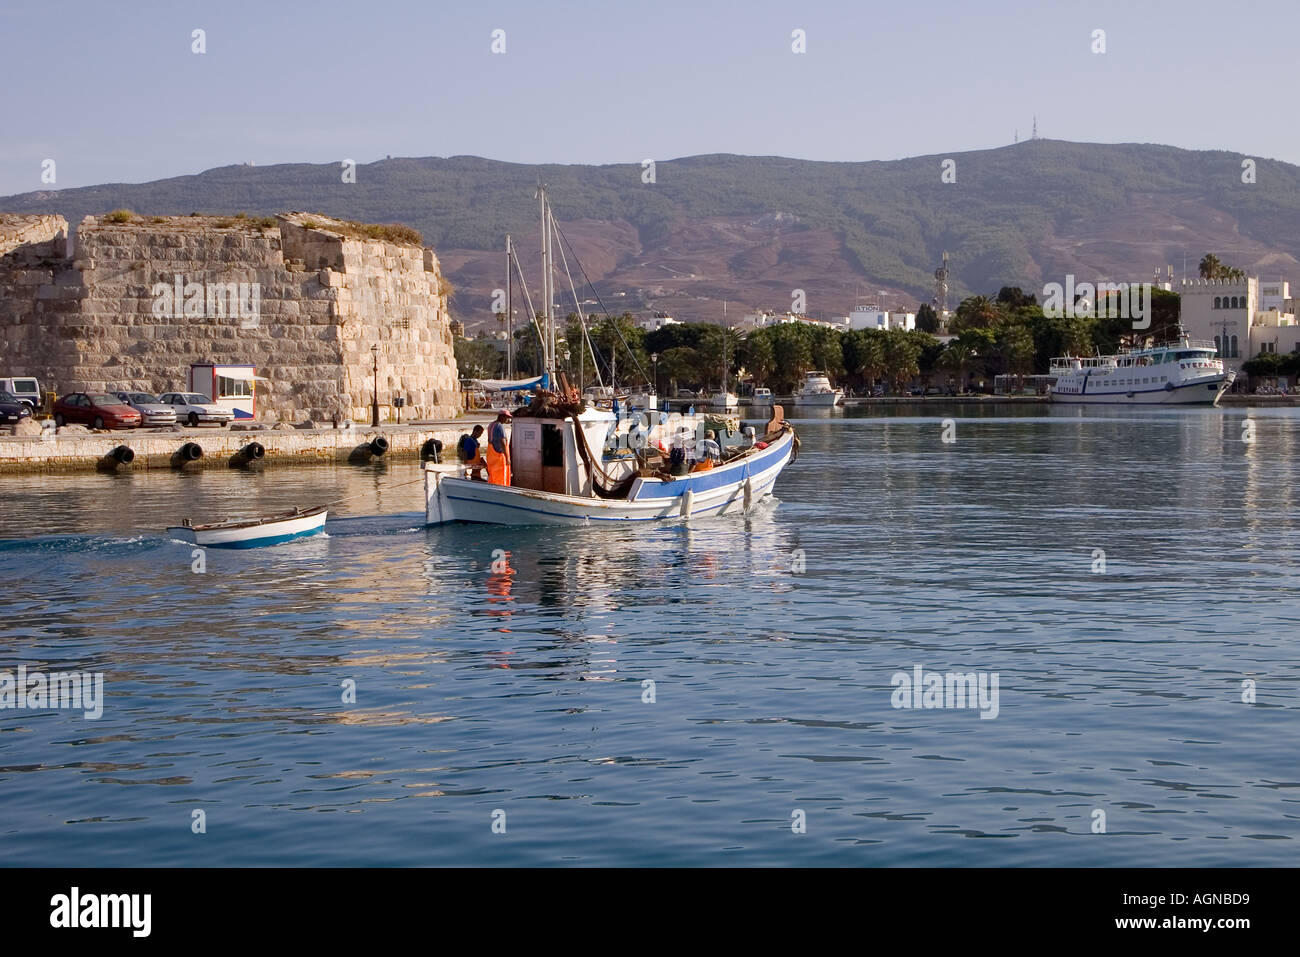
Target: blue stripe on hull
<point>271,540</point>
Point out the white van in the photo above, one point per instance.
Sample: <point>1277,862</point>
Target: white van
<point>25,388</point>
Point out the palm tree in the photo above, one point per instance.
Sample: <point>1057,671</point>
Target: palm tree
<point>1210,266</point>
<point>955,358</point>
<point>901,358</point>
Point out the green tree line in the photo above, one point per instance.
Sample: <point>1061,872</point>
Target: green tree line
<point>1004,334</point>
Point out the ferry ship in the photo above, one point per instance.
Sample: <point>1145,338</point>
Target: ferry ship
<point>1183,372</point>
<point>817,390</point>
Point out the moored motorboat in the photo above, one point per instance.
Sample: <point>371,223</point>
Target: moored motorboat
<point>722,399</point>
<point>818,391</point>
<point>255,532</point>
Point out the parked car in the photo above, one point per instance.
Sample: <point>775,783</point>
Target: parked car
<point>152,410</point>
<point>195,408</point>
<point>99,410</point>
<point>24,388</point>
<point>12,408</point>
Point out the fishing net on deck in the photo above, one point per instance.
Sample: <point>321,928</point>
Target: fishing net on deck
<point>561,404</point>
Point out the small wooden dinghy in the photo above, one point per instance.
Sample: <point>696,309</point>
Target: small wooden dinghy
<point>254,532</point>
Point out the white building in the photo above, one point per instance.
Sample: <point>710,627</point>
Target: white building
<point>656,322</point>
<point>870,317</point>
<point>1242,317</point>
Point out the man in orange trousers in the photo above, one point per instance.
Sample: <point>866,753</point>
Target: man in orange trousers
<point>497,452</point>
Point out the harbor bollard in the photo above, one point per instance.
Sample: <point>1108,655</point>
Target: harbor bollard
<point>121,455</point>
<point>247,455</point>
<point>189,452</point>
<point>366,451</point>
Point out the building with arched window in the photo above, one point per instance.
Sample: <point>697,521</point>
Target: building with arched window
<point>1242,317</point>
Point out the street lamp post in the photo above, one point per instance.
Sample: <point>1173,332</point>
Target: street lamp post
<point>654,374</point>
<point>374,394</point>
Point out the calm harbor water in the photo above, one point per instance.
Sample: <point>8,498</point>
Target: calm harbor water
<point>771,642</point>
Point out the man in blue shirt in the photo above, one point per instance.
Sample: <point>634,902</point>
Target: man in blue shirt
<point>468,451</point>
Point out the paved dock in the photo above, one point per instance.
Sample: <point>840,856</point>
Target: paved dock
<point>221,448</point>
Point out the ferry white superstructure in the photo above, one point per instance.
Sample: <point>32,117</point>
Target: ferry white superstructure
<point>1183,372</point>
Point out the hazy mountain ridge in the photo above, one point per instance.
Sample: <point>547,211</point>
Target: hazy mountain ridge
<point>752,229</point>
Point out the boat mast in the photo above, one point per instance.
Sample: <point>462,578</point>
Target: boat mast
<point>510,313</point>
<point>548,295</point>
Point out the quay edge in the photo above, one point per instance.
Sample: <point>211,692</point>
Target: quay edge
<point>158,450</point>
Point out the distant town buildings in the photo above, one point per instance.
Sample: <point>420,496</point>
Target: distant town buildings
<point>863,317</point>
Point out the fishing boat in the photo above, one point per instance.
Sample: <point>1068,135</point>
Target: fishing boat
<point>560,476</point>
<point>1182,372</point>
<point>575,464</point>
<point>817,391</point>
<point>761,397</point>
<point>254,532</point>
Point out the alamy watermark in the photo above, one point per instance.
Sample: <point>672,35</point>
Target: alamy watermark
<point>936,689</point>
<point>208,300</point>
<point>36,691</point>
<point>1103,300</point>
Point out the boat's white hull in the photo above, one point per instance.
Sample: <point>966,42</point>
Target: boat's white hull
<point>823,399</point>
<point>267,533</point>
<point>1205,390</point>
<point>727,489</point>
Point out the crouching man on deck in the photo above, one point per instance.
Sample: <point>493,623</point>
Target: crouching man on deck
<point>467,450</point>
<point>498,451</point>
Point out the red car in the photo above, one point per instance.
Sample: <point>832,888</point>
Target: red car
<point>99,410</point>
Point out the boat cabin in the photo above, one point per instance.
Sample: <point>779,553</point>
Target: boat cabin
<point>551,455</point>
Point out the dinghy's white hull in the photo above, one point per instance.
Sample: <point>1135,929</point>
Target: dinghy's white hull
<point>244,535</point>
<point>724,490</point>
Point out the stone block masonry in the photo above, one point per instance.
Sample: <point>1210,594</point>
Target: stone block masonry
<point>305,300</point>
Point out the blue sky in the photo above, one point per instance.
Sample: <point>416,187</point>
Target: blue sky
<point>113,93</point>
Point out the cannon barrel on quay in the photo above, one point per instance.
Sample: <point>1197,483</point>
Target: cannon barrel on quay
<point>119,455</point>
<point>189,452</point>
<point>248,454</point>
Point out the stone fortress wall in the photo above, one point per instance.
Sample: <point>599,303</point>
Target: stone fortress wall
<point>304,299</point>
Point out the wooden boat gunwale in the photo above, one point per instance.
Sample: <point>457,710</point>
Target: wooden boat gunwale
<point>231,525</point>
